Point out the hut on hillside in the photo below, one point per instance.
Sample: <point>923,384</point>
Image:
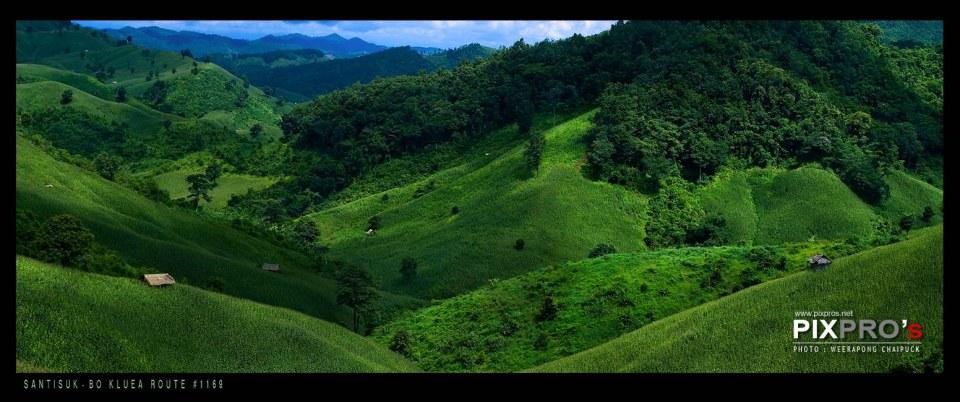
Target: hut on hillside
<point>371,232</point>
<point>271,267</point>
<point>819,261</point>
<point>159,280</point>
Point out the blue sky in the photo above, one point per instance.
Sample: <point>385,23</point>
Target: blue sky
<point>443,34</point>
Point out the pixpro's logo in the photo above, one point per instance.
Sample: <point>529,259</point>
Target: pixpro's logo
<point>818,331</point>
<point>861,329</point>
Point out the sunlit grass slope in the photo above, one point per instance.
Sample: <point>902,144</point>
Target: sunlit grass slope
<point>750,331</point>
<point>172,240</point>
<point>71,321</point>
<point>560,215</point>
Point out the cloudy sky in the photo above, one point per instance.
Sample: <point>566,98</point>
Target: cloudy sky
<point>443,34</point>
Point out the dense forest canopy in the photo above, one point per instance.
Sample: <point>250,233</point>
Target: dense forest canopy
<point>676,98</point>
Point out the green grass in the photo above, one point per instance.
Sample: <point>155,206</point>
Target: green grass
<point>495,328</point>
<point>559,214</point>
<point>228,185</point>
<point>909,196</point>
<point>172,240</point>
<point>771,206</point>
<point>86,83</point>
<point>750,331</point>
<point>71,321</point>
<point>141,119</point>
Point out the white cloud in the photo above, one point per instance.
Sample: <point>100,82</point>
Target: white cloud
<point>442,34</point>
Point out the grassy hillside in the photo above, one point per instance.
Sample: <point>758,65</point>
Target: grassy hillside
<point>496,328</point>
<point>172,240</point>
<point>73,321</point>
<point>141,119</point>
<point>559,214</point>
<point>86,83</point>
<point>750,331</point>
<point>771,206</point>
<point>227,185</point>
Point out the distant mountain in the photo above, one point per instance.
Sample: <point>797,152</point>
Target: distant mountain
<point>202,44</point>
<point>298,75</point>
<point>923,32</point>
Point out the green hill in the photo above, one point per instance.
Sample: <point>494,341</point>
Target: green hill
<point>172,240</point>
<point>142,120</point>
<point>559,214</point>
<point>70,321</point>
<point>36,72</point>
<point>772,206</point>
<point>750,331</point>
<point>227,185</point>
<point>499,327</point>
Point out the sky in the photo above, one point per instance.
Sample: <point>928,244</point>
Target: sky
<point>442,34</point>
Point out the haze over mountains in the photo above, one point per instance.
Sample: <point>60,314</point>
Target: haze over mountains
<point>202,44</point>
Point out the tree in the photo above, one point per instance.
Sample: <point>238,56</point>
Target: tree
<point>200,187</point>
<point>534,151</point>
<point>256,130</point>
<point>107,165</point>
<point>213,173</point>
<point>408,268</point>
<point>548,310</point>
<point>62,239</point>
<point>355,290</point>
<point>66,97</point>
<point>927,214</point>
<point>305,231</point>
<point>906,223</point>
<point>455,210</point>
<point>121,94</point>
<point>373,223</point>
<point>400,343</point>
<point>186,53</point>
<point>518,244</point>
<point>129,39</point>
<point>601,250</point>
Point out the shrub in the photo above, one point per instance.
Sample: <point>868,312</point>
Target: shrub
<point>541,342</point>
<point>927,214</point>
<point>548,310</point>
<point>601,250</point>
<point>400,343</point>
<point>62,239</point>
<point>408,268</point>
<point>27,226</point>
<point>455,210</point>
<point>906,223</point>
<point>216,284</point>
<point>66,97</point>
<point>766,258</point>
<point>518,244</point>
<point>373,223</point>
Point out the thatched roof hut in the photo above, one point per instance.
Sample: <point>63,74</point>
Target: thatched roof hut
<point>271,267</point>
<point>158,280</point>
<point>819,261</point>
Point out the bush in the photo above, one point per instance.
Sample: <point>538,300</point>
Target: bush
<point>455,210</point>
<point>373,223</point>
<point>927,214</point>
<point>548,310</point>
<point>408,268</point>
<point>62,239</point>
<point>906,223</point>
<point>66,97</point>
<point>601,250</point>
<point>766,258</point>
<point>27,226</point>
<point>400,343</point>
<point>103,261</point>
<point>518,244</point>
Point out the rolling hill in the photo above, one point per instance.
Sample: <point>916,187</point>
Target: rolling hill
<point>559,214</point>
<point>500,328</point>
<point>71,321</point>
<point>168,239</point>
<point>750,330</point>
